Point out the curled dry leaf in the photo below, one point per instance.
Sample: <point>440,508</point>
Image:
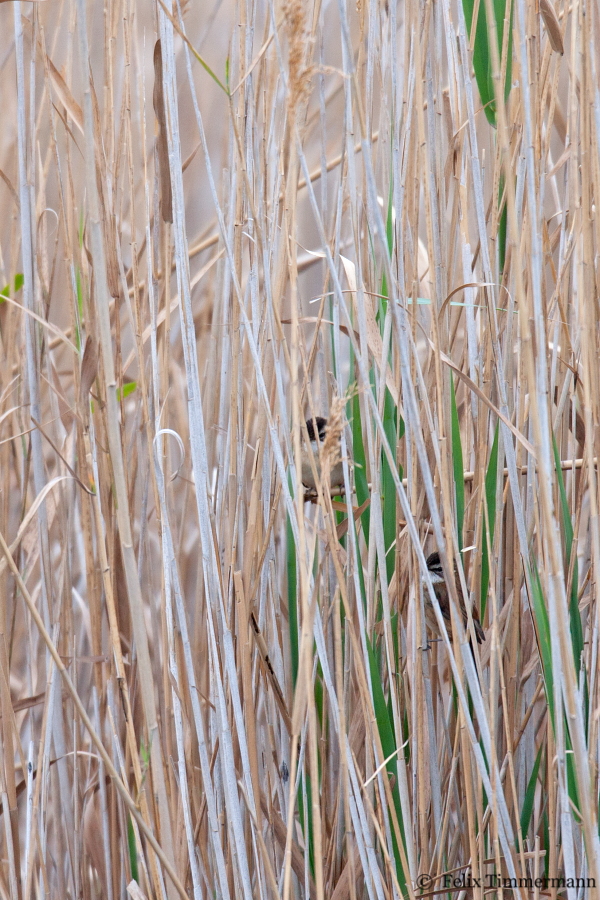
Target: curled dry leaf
<point>64,92</point>
<point>31,517</point>
<point>158,100</point>
<point>552,26</point>
<point>89,367</point>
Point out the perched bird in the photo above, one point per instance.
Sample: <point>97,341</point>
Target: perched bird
<point>318,433</point>
<point>440,588</point>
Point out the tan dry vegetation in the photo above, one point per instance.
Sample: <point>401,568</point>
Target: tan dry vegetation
<point>209,688</point>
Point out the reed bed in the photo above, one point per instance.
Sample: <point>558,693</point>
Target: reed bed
<point>220,220</point>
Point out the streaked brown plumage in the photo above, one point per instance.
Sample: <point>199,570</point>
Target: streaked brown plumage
<point>441,591</point>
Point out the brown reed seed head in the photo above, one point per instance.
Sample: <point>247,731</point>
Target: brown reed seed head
<point>331,452</point>
<point>298,38</point>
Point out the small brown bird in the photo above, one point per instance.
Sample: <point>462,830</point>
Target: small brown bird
<point>441,592</point>
<point>317,433</point>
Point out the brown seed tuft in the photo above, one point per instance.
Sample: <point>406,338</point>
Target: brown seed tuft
<point>298,38</point>
<point>331,445</point>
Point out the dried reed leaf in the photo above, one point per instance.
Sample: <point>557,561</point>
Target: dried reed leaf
<point>30,517</point>
<point>315,320</point>
<point>280,832</point>
<point>162,149</point>
<point>357,512</point>
<point>60,455</point>
<point>67,99</point>
<point>65,408</point>
<point>477,390</point>
<point>264,653</point>
<point>552,24</point>
<point>28,702</point>
<point>48,325</point>
<point>104,198</point>
<point>135,892</point>
<point>189,158</point>
<point>374,341</point>
<point>89,367</point>
<point>174,304</point>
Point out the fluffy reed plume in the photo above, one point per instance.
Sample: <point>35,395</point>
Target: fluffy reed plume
<point>300,72</point>
<point>331,453</point>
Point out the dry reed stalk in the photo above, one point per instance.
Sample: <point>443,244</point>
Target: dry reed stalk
<point>252,707</point>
